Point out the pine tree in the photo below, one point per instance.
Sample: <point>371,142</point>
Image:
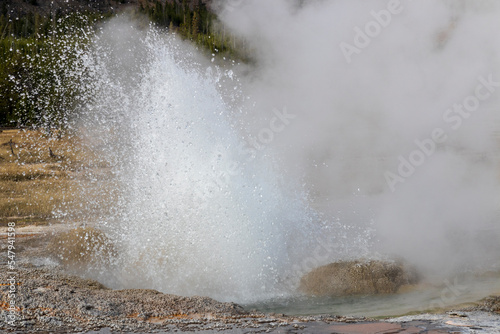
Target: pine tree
<point>195,24</point>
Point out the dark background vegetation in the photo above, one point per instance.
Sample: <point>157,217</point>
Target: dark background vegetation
<point>30,35</point>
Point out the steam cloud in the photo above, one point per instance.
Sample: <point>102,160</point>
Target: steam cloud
<point>396,122</point>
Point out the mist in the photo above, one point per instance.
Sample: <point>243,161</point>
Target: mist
<point>392,120</point>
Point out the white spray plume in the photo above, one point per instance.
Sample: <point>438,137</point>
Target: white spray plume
<point>197,211</point>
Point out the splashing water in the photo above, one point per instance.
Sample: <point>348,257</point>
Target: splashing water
<point>195,213</point>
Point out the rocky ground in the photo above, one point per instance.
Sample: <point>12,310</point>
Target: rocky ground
<point>38,296</point>
<point>46,299</point>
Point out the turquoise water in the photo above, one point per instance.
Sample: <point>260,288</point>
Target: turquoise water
<point>422,299</point>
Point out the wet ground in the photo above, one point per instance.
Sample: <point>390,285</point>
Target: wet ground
<point>48,300</point>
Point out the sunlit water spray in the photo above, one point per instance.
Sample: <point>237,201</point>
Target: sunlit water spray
<point>196,213</point>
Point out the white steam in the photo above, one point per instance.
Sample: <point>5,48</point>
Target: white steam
<point>366,80</point>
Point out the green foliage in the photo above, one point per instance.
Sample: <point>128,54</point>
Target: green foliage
<point>14,53</point>
<point>194,21</point>
<point>35,87</point>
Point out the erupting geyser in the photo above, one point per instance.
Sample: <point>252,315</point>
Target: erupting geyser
<point>198,212</point>
<point>235,180</point>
